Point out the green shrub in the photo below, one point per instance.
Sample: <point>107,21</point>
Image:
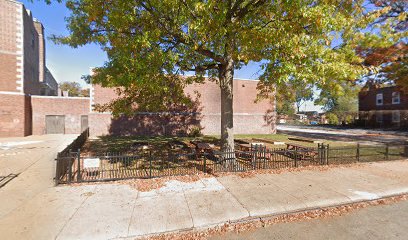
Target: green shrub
<point>332,119</point>
<point>195,132</point>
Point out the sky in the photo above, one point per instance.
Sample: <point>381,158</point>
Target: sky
<point>69,64</point>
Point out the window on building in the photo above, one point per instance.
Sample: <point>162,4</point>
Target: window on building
<point>396,116</point>
<point>379,99</point>
<point>379,117</point>
<point>396,98</point>
<point>32,40</point>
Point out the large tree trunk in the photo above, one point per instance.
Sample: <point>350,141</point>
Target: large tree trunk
<point>226,76</point>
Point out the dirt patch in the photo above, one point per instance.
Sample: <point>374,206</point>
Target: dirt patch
<point>328,212</point>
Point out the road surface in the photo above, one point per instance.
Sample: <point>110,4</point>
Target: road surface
<point>375,222</point>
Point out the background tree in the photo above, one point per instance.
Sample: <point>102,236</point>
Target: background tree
<point>344,104</point>
<point>74,89</point>
<point>332,119</point>
<point>390,61</point>
<point>292,94</point>
<point>149,43</point>
<point>303,94</point>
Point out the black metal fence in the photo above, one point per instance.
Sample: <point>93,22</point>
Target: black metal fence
<point>65,162</point>
<point>76,167</point>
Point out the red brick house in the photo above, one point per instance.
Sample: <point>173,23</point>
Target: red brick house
<point>383,107</point>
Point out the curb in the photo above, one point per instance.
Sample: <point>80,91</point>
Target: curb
<point>263,218</point>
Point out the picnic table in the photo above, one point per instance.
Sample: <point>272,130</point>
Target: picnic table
<point>300,152</point>
<point>202,147</point>
<point>244,146</point>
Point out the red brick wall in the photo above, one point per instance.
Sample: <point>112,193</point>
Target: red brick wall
<point>8,45</point>
<point>19,50</point>
<point>367,99</point>
<point>368,109</point>
<point>15,118</point>
<point>249,117</point>
<point>73,108</point>
<point>100,95</point>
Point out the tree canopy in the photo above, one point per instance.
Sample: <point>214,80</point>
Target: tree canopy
<point>390,60</point>
<point>74,89</point>
<point>150,42</point>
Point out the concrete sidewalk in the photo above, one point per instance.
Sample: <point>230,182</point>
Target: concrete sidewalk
<point>32,159</point>
<point>117,211</point>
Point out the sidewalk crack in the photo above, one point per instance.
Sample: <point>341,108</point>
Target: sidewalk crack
<point>188,206</point>
<point>72,216</point>
<point>235,197</point>
<point>131,216</point>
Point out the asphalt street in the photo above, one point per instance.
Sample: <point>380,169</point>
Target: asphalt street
<point>374,222</point>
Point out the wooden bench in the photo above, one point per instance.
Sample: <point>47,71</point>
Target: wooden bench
<point>300,152</point>
<point>304,140</point>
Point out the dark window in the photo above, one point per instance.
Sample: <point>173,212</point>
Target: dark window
<point>379,99</point>
<point>396,98</point>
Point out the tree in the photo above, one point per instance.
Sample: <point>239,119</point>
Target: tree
<point>344,104</point>
<point>149,43</point>
<point>74,89</point>
<point>332,119</point>
<point>303,94</point>
<point>285,108</point>
<point>292,94</point>
<point>84,92</point>
<point>390,61</point>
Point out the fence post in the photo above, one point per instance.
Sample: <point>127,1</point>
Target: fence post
<point>150,163</point>
<point>358,152</point>
<point>264,158</point>
<point>327,154</point>
<point>70,167</point>
<point>79,166</point>
<point>296,163</point>
<point>57,169</point>
<point>406,149</point>
<point>320,153</point>
<point>205,164</point>
<point>387,151</point>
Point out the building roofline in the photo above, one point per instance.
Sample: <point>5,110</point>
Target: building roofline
<point>13,1</point>
<point>59,97</point>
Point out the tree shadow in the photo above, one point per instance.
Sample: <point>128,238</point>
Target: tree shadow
<point>183,120</point>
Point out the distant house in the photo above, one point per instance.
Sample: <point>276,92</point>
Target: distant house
<point>301,117</point>
<point>323,118</point>
<point>311,115</point>
<point>383,107</point>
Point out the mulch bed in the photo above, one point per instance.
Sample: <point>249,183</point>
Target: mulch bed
<point>145,185</point>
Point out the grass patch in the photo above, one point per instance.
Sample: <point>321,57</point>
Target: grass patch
<point>162,143</point>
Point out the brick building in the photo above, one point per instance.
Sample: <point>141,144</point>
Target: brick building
<point>385,107</point>
<point>22,67</point>
<point>249,117</point>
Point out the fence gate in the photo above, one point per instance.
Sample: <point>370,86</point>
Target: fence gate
<point>84,122</point>
<point>55,124</point>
